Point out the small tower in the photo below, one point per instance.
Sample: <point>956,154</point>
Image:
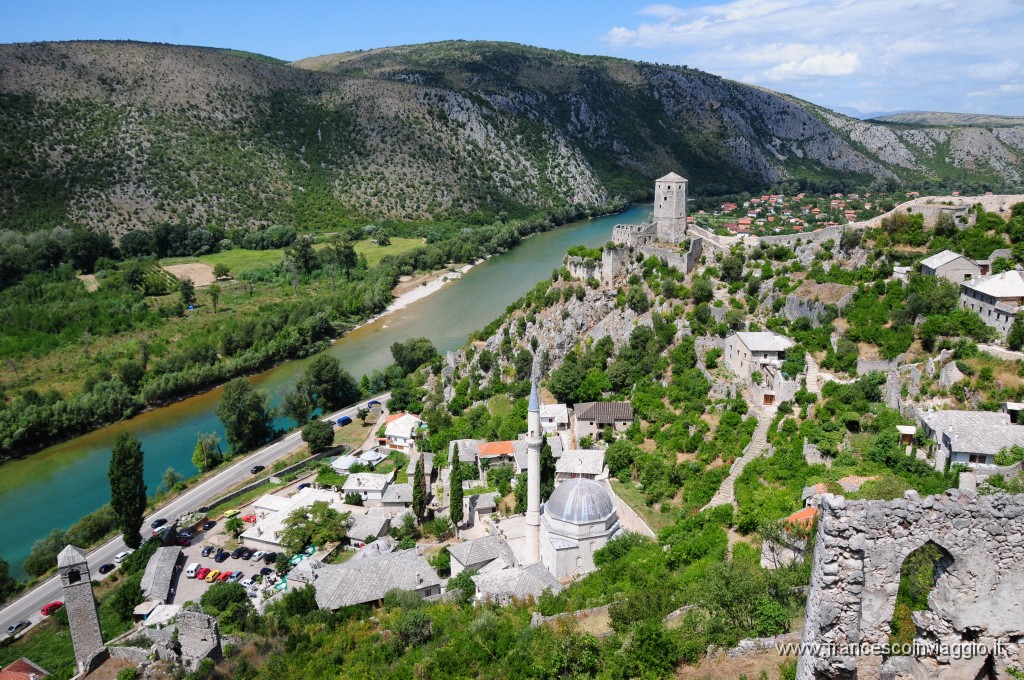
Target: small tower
<point>534,440</point>
<point>80,604</point>
<point>670,208</point>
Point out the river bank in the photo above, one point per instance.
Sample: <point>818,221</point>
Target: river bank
<point>58,485</point>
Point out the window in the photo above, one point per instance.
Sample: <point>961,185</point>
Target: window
<point>74,576</point>
<point>977,458</point>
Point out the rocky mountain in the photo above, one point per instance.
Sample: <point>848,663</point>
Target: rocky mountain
<point>950,119</point>
<point>116,135</point>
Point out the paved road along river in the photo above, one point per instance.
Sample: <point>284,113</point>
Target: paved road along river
<point>57,486</point>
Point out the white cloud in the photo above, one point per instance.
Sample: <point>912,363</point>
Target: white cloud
<point>925,55</point>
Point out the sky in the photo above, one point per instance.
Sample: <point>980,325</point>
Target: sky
<point>864,55</point>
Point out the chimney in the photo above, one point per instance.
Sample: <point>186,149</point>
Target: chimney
<point>419,579</point>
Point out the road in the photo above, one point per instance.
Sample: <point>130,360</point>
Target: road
<point>27,606</point>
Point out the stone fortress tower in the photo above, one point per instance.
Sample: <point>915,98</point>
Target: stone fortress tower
<point>84,622</point>
<point>533,442</point>
<point>670,208</point>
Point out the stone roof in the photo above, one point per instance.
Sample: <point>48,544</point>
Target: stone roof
<point>406,425</point>
<point>428,464</point>
<point>366,481</point>
<point>519,582</point>
<point>604,411</point>
<point>580,462</point>
<point>23,669</point>
<point>398,493</point>
<point>70,556</point>
<point>370,524</point>
<point>579,501</point>
<point>671,177</point>
<point>989,440</point>
<point>484,502</point>
<point>556,412</point>
<point>156,580</point>
<point>482,550</point>
<point>765,341</point>
<point>468,449</point>
<point>1003,285</point>
<point>368,580</point>
<point>942,422</point>
<point>939,259</point>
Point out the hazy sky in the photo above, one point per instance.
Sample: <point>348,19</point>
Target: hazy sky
<point>871,55</point>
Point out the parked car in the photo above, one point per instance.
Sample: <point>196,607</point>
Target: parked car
<point>235,577</point>
<point>372,403</point>
<point>106,568</point>
<point>266,571</point>
<point>122,556</point>
<point>187,533</point>
<point>203,573</point>
<point>158,522</point>
<point>248,583</point>
<point>212,576</point>
<point>17,627</point>
<point>221,556</point>
<point>251,519</point>
<point>232,512</point>
<point>237,552</point>
<point>224,576</point>
<point>209,524</point>
<point>258,555</point>
<point>52,607</point>
<point>183,541</point>
<point>270,558</point>
<point>304,485</point>
<point>344,420</point>
<point>256,469</point>
<point>207,550</point>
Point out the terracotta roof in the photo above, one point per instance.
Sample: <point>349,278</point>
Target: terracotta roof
<point>805,517</point>
<point>22,669</point>
<point>506,448</point>
<point>394,416</point>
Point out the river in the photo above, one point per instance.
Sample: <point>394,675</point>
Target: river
<point>57,486</point>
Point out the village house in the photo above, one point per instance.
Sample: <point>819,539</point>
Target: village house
<point>518,583</point>
<point>554,418</point>
<point>996,298</point>
<point>369,486</point>
<point>367,581</point>
<point>483,555</point>
<point>23,669</point>
<point>790,545</point>
<point>970,437</point>
<point>591,418</point>
<point>401,430</point>
<point>757,358</point>
<point>950,266</point>
<point>477,506</point>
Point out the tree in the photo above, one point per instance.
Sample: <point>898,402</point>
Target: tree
<point>170,479</point>
<point>455,482</point>
<point>1015,338</point>
<point>8,585</point>
<point>302,255</point>
<point>328,385</point>
<point>214,292</point>
<point>344,255</point>
<point>235,525</point>
<point>319,435</point>
<point>419,497</point>
<point>207,454</point>
<point>243,412</point>
<point>315,525</point>
<point>296,404</point>
<point>413,353</point>
<point>703,290</point>
<point>127,487</point>
<point>221,270</point>
<point>362,414</point>
<point>187,290</point>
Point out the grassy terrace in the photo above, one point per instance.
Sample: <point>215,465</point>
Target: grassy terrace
<point>635,499</point>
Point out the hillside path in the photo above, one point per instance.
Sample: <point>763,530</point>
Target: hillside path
<point>726,494</point>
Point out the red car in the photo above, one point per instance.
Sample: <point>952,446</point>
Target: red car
<point>183,541</point>
<point>52,607</point>
<point>251,519</point>
<point>224,577</point>
<point>201,574</point>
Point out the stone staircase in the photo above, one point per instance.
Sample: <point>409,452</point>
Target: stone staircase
<point>813,377</point>
<point>726,494</point>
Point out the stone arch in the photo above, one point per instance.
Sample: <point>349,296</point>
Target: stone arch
<point>74,575</point>
<point>942,560</point>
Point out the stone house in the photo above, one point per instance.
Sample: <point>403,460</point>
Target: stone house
<point>366,581</point>
<point>586,463</point>
<point>554,418</point>
<point>591,418</point>
<point>487,554</point>
<point>757,358</point>
<point>23,669</point>
<point>972,438</point>
<point>996,298</point>
<point>518,583</point>
<point>950,266</point>
<point>369,486</point>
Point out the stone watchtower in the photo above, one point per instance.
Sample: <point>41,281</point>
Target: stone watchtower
<point>83,620</point>
<point>670,208</point>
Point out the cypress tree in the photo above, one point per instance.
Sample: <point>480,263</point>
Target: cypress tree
<point>419,498</point>
<point>127,487</point>
<point>455,503</point>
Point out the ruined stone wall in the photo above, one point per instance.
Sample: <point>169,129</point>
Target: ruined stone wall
<point>633,235</point>
<point>683,261</point>
<point>860,549</point>
<point>198,636</point>
<point>613,262</point>
<point>583,268</point>
<point>865,366</point>
<point>797,307</point>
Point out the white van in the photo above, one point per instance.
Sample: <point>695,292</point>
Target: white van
<point>192,570</point>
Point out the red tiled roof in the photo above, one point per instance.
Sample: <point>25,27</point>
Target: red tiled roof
<point>395,416</point>
<point>803,517</point>
<point>489,449</point>
<point>22,669</point>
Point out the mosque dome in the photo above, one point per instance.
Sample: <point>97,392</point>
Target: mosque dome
<point>579,501</point>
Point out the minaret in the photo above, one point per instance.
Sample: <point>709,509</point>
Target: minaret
<point>80,604</point>
<point>534,439</point>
